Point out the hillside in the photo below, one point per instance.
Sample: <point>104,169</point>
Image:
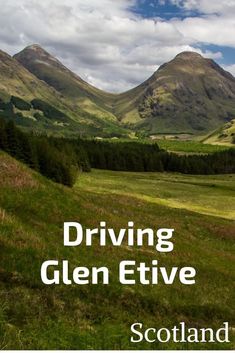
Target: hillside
<point>190,94</point>
<point>32,212</point>
<point>35,105</point>
<point>49,69</point>
<point>225,135</point>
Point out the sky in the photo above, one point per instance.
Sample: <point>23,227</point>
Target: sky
<point>117,44</point>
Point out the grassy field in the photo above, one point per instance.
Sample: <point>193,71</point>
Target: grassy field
<point>32,212</point>
<point>190,146</point>
<point>211,195</point>
<point>180,146</point>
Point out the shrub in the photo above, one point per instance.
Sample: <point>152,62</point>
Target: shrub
<point>48,110</point>
<point>20,104</point>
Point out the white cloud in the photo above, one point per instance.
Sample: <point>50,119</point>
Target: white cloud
<point>206,6</point>
<point>230,68</point>
<point>215,25</point>
<point>212,29</point>
<point>107,44</point>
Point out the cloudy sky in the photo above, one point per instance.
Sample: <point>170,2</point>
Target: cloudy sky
<point>117,44</point>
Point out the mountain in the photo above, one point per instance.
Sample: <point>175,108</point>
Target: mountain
<point>47,68</point>
<point>36,105</point>
<point>189,94</point>
<point>19,88</point>
<point>16,80</point>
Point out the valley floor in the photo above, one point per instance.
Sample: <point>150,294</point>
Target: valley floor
<point>32,212</point>
<point>212,195</point>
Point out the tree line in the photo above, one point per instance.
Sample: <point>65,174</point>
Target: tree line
<point>60,159</point>
<point>59,162</point>
<point>147,157</point>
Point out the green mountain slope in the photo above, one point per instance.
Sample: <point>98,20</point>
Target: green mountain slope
<point>16,80</point>
<point>32,212</point>
<point>49,69</point>
<point>190,94</point>
<point>225,135</point>
<point>35,105</point>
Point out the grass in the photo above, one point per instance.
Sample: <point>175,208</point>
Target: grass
<point>223,135</point>
<point>34,316</point>
<point>190,146</point>
<point>88,121</point>
<point>212,195</point>
<point>180,146</point>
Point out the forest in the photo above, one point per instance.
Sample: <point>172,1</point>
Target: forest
<point>60,159</point>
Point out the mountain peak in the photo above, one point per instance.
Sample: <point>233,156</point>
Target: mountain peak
<point>33,54</point>
<point>49,69</point>
<point>34,47</point>
<point>34,51</point>
<point>189,55</point>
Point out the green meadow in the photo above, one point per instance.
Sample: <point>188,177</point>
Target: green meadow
<point>211,195</point>
<point>32,212</point>
<point>191,146</point>
<point>181,146</point>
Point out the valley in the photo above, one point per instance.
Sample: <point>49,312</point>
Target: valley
<point>188,98</point>
<point>115,158</point>
<point>117,175</point>
<point>33,210</point>
<point>211,195</point>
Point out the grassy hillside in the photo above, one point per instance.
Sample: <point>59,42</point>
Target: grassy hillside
<point>215,193</point>
<point>75,90</point>
<point>225,135</point>
<point>79,119</point>
<point>188,95</point>
<point>32,212</point>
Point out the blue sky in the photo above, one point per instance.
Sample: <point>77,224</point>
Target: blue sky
<point>167,10</point>
<point>117,44</point>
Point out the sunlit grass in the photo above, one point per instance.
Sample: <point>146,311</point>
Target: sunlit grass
<point>34,316</point>
<point>212,195</point>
